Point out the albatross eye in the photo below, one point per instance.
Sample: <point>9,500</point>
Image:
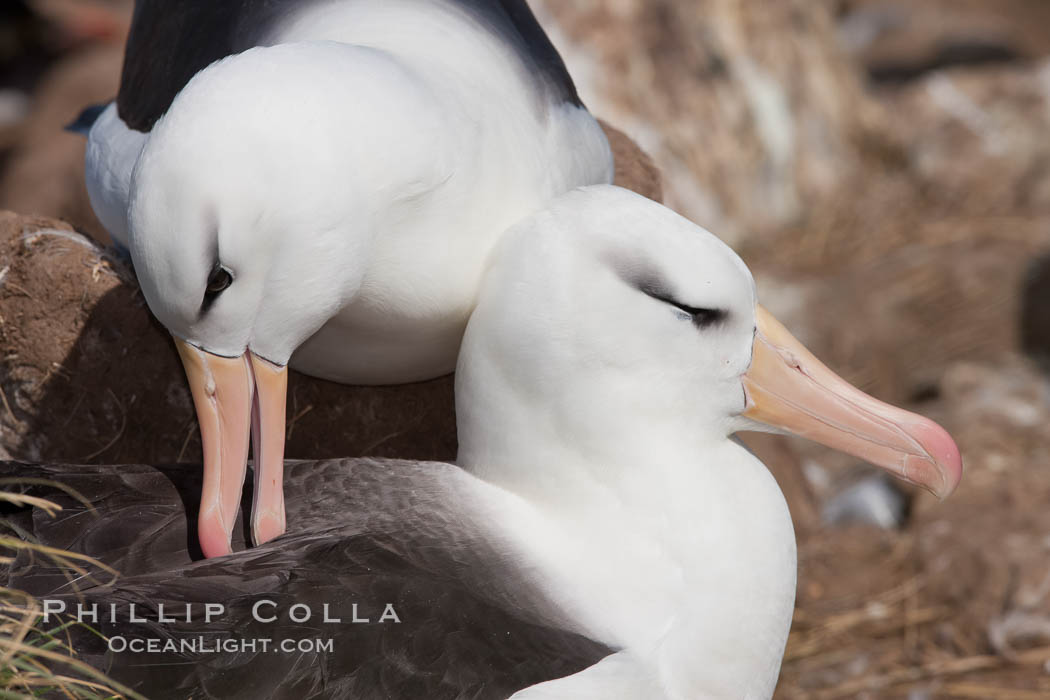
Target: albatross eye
<point>701,317</point>
<point>218,281</point>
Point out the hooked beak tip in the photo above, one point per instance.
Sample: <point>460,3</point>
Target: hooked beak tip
<point>789,389</point>
<point>237,397</point>
<point>940,472</point>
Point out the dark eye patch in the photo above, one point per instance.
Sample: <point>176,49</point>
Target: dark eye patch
<point>643,275</point>
<point>219,281</point>
<point>702,317</point>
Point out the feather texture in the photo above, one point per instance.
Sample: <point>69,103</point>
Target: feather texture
<point>366,532</point>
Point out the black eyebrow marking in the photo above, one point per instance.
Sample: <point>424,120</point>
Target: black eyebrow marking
<point>644,276</point>
<point>702,317</point>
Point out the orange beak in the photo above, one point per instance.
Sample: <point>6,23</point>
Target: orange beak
<point>236,397</point>
<point>790,389</point>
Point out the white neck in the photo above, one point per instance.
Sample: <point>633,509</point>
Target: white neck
<point>675,546</point>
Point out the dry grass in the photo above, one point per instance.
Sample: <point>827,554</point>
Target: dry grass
<point>37,660</point>
<point>957,605</point>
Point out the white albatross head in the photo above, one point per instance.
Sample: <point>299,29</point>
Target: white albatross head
<point>608,316</point>
<point>251,215</point>
<point>614,349</point>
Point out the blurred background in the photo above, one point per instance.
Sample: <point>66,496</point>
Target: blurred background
<point>884,168</point>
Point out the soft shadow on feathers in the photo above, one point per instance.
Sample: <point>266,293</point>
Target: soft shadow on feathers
<point>363,531</point>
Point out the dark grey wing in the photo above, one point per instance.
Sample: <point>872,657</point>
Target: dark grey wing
<point>138,519</point>
<point>515,23</point>
<point>449,642</point>
<point>365,532</point>
<point>86,119</point>
<point>171,41</point>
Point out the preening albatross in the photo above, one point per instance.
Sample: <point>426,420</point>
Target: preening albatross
<point>320,183</point>
<point>602,537</point>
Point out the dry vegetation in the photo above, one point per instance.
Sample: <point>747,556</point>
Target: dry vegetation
<point>882,165</point>
<point>38,660</point>
<point>884,168</point>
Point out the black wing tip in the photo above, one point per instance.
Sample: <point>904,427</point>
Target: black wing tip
<point>86,119</point>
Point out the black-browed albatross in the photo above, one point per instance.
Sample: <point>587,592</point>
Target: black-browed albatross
<point>601,522</point>
<point>321,182</point>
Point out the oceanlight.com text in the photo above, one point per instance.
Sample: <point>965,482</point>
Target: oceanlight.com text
<point>203,645</point>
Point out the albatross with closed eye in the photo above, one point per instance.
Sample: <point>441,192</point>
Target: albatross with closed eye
<point>602,535</point>
<point>320,183</point>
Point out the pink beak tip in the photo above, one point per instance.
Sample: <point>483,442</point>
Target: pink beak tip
<point>214,540</point>
<point>945,456</point>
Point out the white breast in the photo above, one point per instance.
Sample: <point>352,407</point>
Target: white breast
<point>698,589</point>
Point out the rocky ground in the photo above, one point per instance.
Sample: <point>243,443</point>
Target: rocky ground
<point>882,165</point>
